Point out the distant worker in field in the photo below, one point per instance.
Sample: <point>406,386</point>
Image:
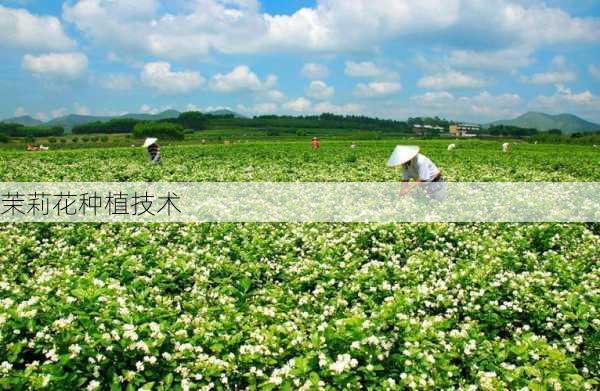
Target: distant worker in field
<point>419,168</point>
<point>315,144</point>
<point>505,147</point>
<point>153,149</point>
<point>451,147</point>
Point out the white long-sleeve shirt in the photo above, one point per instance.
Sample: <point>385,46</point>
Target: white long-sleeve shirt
<point>420,168</point>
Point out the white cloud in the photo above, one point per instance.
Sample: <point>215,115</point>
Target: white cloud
<point>158,75</point>
<point>450,80</point>
<point>300,105</point>
<point>259,108</point>
<point>512,58</point>
<point>559,77</point>
<point>117,82</point>
<point>363,69</point>
<point>319,90</point>
<point>147,109</point>
<point>328,107</point>
<point>192,107</point>
<point>274,95</point>
<point>377,89</point>
<point>20,111</point>
<point>538,24</point>
<point>59,112</point>
<point>241,78</point>
<point>41,116</point>
<point>315,71</point>
<point>23,30</point>
<point>584,103</point>
<point>66,66</point>
<point>81,109</point>
<point>594,71</point>
<point>559,61</point>
<point>483,106</point>
<point>206,26</point>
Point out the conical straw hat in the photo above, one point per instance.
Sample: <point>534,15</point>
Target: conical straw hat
<point>402,154</point>
<point>149,141</point>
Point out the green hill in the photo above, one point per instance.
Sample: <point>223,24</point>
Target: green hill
<point>71,120</point>
<point>568,123</point>
<point>25,120</point>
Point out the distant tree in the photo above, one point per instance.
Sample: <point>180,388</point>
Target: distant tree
<point>4,138</point>
<point>511,131</point>
<point>557,132</point>
<point>18,130</point>
<point>193,120</point>
<point>115,125</point>
<point>159,129</point>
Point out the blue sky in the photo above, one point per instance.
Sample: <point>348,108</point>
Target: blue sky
<point>468,60</point>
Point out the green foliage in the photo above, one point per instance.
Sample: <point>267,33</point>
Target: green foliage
<point>323,121</point>
<point>163,130</point>
<point>4,138</point>
<point>511,131</point>
<point>116,125</point>
<point>282,306</point>
<point>193,120</point>
<point>575,138</point>
<point>75,139</point>
<point>17,130</point>
<point>568,123</point>
<point>301,133</point>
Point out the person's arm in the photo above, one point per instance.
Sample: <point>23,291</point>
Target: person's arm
<point>156,156</point>
<point>406,186</point>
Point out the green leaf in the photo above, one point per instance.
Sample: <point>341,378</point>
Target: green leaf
<point>148,386</point>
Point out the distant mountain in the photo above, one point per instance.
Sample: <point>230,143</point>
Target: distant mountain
<point>153,117</point>
<point>72,120</point>
<point>225,112</point>
<point>25,120</point>
<point>568,123</point>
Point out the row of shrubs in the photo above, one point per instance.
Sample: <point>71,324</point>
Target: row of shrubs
<point>94,139</point>
<point>166,128</point>
<point>140,129</point>
<point>18,130</point>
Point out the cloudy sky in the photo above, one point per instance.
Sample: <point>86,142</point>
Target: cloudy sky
<point>476,60</point>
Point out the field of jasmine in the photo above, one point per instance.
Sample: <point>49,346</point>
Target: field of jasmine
<point>300,306</point>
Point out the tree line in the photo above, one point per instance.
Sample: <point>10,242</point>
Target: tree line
<point>175,128</point>
<point>511,131</point>
<point>18,130</point>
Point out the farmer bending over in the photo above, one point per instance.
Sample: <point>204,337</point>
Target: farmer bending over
<point>315,144</point>
<point>418,167</point>
<point>153,149</point>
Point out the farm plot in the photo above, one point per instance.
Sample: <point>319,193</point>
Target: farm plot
<point>313,306</point>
